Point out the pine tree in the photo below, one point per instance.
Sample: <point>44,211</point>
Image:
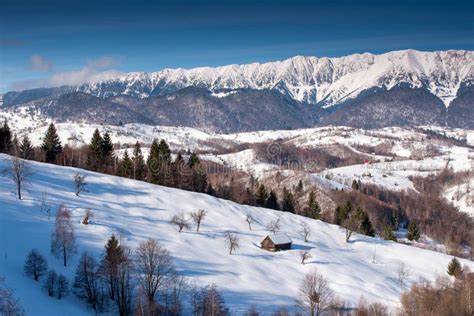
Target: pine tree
<point>342,213</point>
<point>365,226</point>
<point>113,257</point>
<point>5,138</point>
<point>107,149</point>
<point>313,210</point>
<point>193,160</point>
<point>153,162</point>
<point>125,166</point>
<point>355,185</point>
<point>94,157</point>
<point>164,152</point>
<point>299,187</point>
<point>288,204</point>
<point>138,162</point>
<point>26,149</point>
<point>261,195</point>
<point>454,267</point>
<point>413,232</point>
<point>272,201</point>
<point>51,144</point>
<point>387,232</point>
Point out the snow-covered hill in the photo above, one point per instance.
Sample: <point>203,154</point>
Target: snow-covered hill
<point>324,80</point>
<point>137,210</point>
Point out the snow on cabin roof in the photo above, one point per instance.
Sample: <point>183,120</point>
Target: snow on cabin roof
<point>280,239</point>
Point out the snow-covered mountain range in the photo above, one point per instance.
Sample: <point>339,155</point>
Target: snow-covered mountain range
<point>311,80</point>
<point>401,88</point>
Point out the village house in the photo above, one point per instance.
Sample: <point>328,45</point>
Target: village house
<point>276,242</point>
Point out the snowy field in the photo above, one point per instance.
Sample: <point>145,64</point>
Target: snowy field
<point>136,211</point>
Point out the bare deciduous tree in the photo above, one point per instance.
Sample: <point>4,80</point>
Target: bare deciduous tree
<point>9,304</point>
<point>35,265</point>
<point>154,266</point>
<point>87,283</point>
<point>180,221</point>
<point>19,172</point>
<point>304,255</point>
<point>63,239</point>
<point>232,242</point>
<point>197,217</point>
<point>249,219</point>
<point>274,226</point>
<point>350,225</point>
<point>87,216</point>
<point>314,294</point>
<point>50,282</point>
<point>79,183</point>
<point>305,231</point>
<point>403,274</point>
<point>61,287</point>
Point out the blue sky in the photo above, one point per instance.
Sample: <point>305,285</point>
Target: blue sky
<point>48,43</point>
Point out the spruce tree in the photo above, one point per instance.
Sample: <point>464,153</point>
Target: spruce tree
<point>126,166</point>
<point>26,149</point>
<point>387,232</point>
<point>51,144</point>
<point>272,201</point>
<point>299,187</point>
<point>5,138</point>
<point>94,157</point>
<point>454,267</point>
<point>355,185</point>
<point>165,152</point>
<point>313,211</point>
<point>261,195</point>
<point>193,160</point>
<point>342,213</point>
<point>113,257</point>
<point>153,162</point>
<point>138,162</point>
<point>365,226</point>
<point>413,232</point>
<point>107,149</point>
<point>288,204</point>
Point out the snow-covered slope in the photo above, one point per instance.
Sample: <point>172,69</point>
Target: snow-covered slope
<point>137,210</point>
<point>310,79</point>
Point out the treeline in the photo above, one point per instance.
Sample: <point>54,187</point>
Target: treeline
<point>188,173</point>
<point>98,155</point>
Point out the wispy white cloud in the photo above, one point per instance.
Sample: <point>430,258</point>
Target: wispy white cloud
<point>38,62</point>
<point>95,70</point>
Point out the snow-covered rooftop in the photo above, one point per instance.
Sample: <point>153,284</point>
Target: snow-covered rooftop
<point>280,239</point>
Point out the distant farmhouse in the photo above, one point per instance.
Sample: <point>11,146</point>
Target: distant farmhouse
<point>276,242</point>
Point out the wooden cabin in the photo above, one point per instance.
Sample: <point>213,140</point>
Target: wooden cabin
<point>276,242</point>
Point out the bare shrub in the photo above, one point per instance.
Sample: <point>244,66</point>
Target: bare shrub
<point>231,241</point>
<point>87,216</point>
<point>180,221</point>
<point>304,255</point>
<point>79,183</point>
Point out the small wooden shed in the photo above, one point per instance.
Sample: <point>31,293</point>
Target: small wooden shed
<point>276,242</point>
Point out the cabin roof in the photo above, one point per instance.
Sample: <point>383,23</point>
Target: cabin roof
<point>280,239</point>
